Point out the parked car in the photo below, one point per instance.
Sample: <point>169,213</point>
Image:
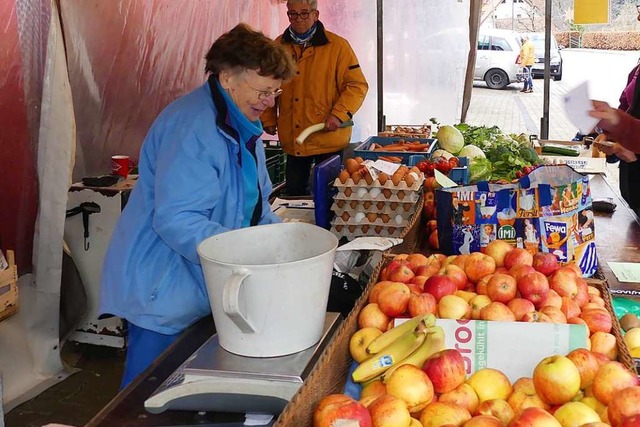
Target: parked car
<point>556,58</point>
<point>496,57</point>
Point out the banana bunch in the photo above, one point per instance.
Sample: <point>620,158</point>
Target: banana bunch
<point>412,342</point>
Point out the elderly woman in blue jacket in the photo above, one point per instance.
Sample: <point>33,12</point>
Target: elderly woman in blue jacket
<point>202,172</point>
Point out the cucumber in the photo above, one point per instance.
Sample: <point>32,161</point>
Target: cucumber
<point>559,150</point>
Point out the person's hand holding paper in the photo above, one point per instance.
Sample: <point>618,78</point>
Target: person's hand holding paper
<point>619,126</point>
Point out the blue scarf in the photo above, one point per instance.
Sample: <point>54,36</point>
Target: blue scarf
<point>303,39</point>
<point>247,130</point>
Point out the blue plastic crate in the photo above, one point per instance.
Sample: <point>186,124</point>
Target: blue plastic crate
<point>363,151</point>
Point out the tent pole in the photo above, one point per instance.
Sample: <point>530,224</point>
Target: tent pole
<point>544,122</point>
<point>380,81</point>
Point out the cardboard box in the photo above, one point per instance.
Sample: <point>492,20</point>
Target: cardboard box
<point>580,164</point>
<point>502,345</point>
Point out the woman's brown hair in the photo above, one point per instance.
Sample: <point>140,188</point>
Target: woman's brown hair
<point>244,47</point>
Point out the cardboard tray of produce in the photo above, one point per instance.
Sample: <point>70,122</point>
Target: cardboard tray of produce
<point>330,373</point>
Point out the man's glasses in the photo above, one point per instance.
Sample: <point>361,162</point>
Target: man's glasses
<point>295,15</point>
<point>264,94</point>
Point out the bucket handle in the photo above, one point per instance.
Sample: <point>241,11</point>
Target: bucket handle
<point>230,300</point>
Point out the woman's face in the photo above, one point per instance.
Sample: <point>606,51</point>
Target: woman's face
<point>251,92</point>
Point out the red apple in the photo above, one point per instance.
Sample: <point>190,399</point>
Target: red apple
<point>428,270</point>
<point>597,319</point>
<point>518,271</point>
<point>375,290</point>
<point>586,363</point>
<point>545,262</point>
<point>582,297</point>
<point>456,274</point>
<point>498,249</point>
<point>416,260</point>
<point>430,184</point>
<point>552,300</point>
<point>518,256</point>
<point>481,286</point>
<point>393,265</point>
<point>534,287</point>
<point>612,378</point>
<point>372,316</point>
<point>534,417</point>
<point>524,396</point>
<point>412,385</point>
<point>555,314</point>
<point>415,289</point>
<point>446,370</point>
<point>564,282</point>
<point>439,285</point>
<point>484,421</point>
<point>570,308</point>
<point>536,316</point>
<point>479,265</point>
<point>421,304</point>
<point>340,407</point>
<point>459,260</point>
<point>502,288</point>
<point>625,404</point>
<point>394,299</point>
<point>497,311</point>
<point>556,379</point>
<point>520,307</point>
<point>401,274</point>
<point>604,343</point>
<point>633,421</point>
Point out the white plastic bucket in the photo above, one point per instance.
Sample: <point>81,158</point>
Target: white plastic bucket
<point>268,286</point>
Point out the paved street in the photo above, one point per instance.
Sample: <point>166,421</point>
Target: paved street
<point>517,112</point>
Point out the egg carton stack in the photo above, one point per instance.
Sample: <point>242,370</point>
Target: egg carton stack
<point>373,203</point>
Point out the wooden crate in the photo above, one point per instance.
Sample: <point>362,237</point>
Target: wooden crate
<point>9,288</point>
<point>330,373</point>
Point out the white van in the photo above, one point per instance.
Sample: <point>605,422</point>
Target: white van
<point>497,57</point>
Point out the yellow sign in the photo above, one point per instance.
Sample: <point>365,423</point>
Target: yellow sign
<point>591,12</point>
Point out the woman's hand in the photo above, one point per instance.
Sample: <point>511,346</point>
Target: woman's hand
<point>624,154</point>
<point>608,116</point>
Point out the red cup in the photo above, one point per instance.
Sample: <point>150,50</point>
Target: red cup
<point>121,165</point>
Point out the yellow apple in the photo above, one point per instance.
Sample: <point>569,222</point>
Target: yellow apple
<point>594,404</point>
<point>466,295</point>
<point>477,303</point>
<point>412,385</point>
<point>484,421</point>
<point>632,338</point>
<point>438,414</point>
<point>415,423</point>
<point>534,417</point>
<point>453,307</point>
<point>525,397</point>
<point>490,383</point>
<point>389,411</point>
<point>556,379</point>
<point>604,343</point>
<point>612,377</point>
<point>575,414</point>
<point>464,395</point>
<point>360,340</point>
<point>374,388</point>
<point>499,408</point>
<point>339,407</point>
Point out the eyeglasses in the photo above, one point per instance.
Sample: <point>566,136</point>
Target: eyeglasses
<point>293,16</point>
<point>264,94</point>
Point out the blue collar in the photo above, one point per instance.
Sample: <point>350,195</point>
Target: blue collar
<point>244,126</point>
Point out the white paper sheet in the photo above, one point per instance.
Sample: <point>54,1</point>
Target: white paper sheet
<point>577,104</point>
<point>626,272</point>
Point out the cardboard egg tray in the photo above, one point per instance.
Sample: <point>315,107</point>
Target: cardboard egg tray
<point>402,185</point>
<point>384,221</point>
<point>397,196</point>
<point>381,207</point>
<point>353,231</point>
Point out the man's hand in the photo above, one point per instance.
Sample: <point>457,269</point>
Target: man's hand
<point>332,123</point>
<point>271,130</point>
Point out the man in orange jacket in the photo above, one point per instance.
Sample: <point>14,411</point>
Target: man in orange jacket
<point>329,87</point>
<point>527,59</point>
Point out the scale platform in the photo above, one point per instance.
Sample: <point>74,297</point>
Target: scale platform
<point>213,379</point>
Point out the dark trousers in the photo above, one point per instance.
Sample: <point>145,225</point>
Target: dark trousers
<point>298,172</point>
<point>528,77</point>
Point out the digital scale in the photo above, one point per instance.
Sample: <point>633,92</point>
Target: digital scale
<point>213,379</point>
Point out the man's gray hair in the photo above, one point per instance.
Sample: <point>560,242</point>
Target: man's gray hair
<point>313,4</point>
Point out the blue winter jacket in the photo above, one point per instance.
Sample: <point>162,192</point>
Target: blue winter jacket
<point>190,187</point>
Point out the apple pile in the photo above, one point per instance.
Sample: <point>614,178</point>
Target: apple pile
<point>581,389</point>
<point>503,284</point>
<point>631,326</point>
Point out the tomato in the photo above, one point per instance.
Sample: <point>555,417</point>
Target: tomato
<point>423,166</point>
<point>443,166</point>
<point>430,168</point>
<point>527,170</point>
<point>454,162</point>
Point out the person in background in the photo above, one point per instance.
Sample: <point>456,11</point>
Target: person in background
<point>619,126</point>
<point>329,87</point>
<point>527,58</point>
<point>629,164</point>
<point>202,172</point>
